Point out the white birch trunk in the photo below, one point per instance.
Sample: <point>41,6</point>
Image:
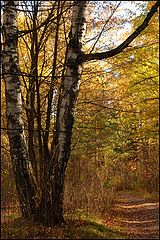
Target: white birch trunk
<point>14,109</point>
<point>50,209</point>
<point>52,199</point>
<point>70,86</point>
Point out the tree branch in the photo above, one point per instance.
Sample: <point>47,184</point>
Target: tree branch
<point>125,44</point>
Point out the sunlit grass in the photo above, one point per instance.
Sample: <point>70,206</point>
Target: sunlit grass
<point>82,226</point>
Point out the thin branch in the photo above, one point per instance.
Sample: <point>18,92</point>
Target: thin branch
<point>50,18</point>
<point>106,22</point>
<point>110,108</point>
<point>5,149</point>
<point>107,54</point>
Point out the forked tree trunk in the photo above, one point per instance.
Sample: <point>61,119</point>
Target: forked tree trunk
<point>51,207</point>
<point>24,182</point>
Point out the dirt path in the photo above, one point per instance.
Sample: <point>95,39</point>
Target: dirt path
<point>138,218</point>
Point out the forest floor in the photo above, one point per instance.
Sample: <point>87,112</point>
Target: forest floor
<point>136,217</point>
<point>132,218</point>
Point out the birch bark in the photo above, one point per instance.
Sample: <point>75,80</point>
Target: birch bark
<point>51,207</point>
<point>10,63</point>
<point>70,85</point>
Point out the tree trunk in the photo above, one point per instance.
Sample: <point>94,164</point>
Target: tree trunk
<point>24,182</point>
<point>51,207</point>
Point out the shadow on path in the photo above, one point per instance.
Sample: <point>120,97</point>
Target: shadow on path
<point>137,217</point>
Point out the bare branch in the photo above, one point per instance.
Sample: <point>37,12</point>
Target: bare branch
<point>125,44</point>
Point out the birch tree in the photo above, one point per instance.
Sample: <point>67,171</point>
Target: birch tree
<point>24,181</point>
<point>46,205</point>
